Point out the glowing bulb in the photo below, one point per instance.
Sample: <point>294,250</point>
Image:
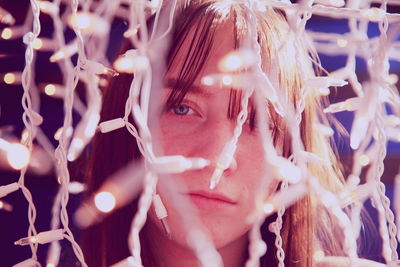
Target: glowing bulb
<point>231,63</point>
<point>324,91</point>
<point>364,160</point>
<point>236,60</point>
<point>37,44</point>
<point>48,7</point>
<point>50,89</point>
<point>124,64</point>
<point>9,78</point>
<point>373,14</point>
<point>207,80</point>
<point>76,187</point>
<point>342,42</point>
<point>104,201</point>
<point>318,255</point>
<point>227,80</point>
<point>50,265</point>
<point>57,56</point>
<point>81,21</point>
<point>392,79</point>
<point>268,208</point>
<point>24,136</point>
<point>131,32</point>
<point>18,156</point>
<point>6,33</point>
<point>6,17</point>
<point>130,62</point>
<point>58,133</point>
<point>89,23</point>
<point>76,145</point>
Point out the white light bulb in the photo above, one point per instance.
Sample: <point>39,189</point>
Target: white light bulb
<point>18,156</point>
<point>104,201</point>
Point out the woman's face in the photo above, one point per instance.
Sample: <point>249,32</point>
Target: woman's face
<point>200,127</point>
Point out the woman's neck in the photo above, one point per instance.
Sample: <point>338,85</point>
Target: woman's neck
<point>159,251</point>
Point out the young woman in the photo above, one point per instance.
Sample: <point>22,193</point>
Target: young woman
<point>197,120</point>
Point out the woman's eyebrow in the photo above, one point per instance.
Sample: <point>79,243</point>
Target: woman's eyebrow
<point>175,84</point>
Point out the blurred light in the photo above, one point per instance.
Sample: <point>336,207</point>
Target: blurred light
<point>37,43</point>
<point>124,64</point>
<point>5,206</point>
<point>18,156</point>
<point>76,187</point>
<point>227,80</point>
<point>104,201</point>
<point>9,78</point>
<point>89,23</point>
<point>392,79</point>
<point>6,33</point>
<point>24,136</point>
<point>57,56</point>
<point>373,14</point>
<point>6,17</point>
<point>231,63</point>
<point>58,133</point>
<point>50,265</point>
<point>318,255</point>
<point>364,160</point>
<point>131,32</point>
<point>324,91</point>
<point>207,80</point>
<point>342,42</point>
<point>50,89</point>
<point>268,208</point>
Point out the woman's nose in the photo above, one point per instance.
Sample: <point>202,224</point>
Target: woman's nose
<point>213,140</point>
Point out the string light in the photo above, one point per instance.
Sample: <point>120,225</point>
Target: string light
<point>89,23</point>
<point>18,155</point>
<point>135,62</point>
<point>5,206</point>
<point>41,238</point>
<point>7,33</point>
<point>6,17</point>
<point>12,78</point>
<point>105,201</point>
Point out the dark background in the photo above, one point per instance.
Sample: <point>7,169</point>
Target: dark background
<point>14,225</point>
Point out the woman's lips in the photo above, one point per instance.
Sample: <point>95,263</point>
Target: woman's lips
<point>211,201</point>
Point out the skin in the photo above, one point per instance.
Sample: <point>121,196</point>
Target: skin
<point>199,127</point>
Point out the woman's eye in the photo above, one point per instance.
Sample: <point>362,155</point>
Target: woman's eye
<point>182,110</point>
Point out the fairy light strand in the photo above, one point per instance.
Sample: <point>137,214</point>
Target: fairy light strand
<point>352,44</point>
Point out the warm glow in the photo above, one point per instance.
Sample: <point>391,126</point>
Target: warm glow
<point>231,63</point>
<point>104,201</point>
<point>6,33</point>
<point>76,187</point>
<point>37,43</point>
<point>9,78</point>
<point>207,80</point>
<point>227,80</point>
<point>50,265</point>
<point>342,42</point>
<point>89,23</point>
<point>289,172</point>
<point>24,136</point>
<point>18,156</point>
<point>57,56</point>
<point>130,32</point>
<point>373,14</point>
<point>77,145</point>
<point>50,89</point>
<point>363,160</point>
<point>324,91</point>
<point>318,255</point>
<point>130,62</point>
<point>81,21</point>
<point>154,3</point>
<point>124,64</point>
<point>392,79</point>
<point>268,208</point>
<point>58,133</point>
